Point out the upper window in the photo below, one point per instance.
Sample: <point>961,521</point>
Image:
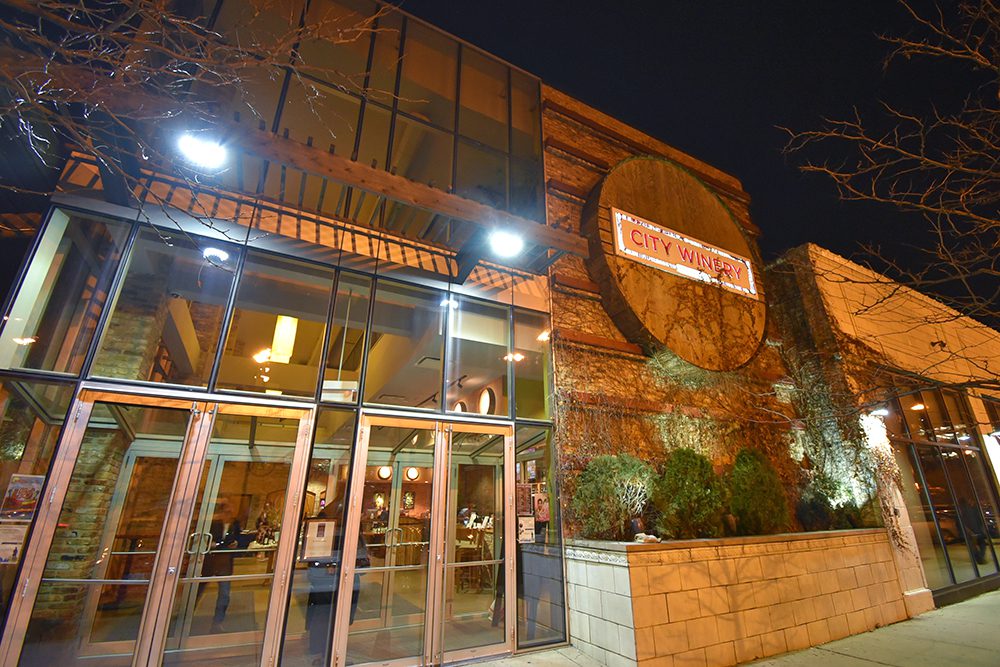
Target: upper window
<point>930,415</point>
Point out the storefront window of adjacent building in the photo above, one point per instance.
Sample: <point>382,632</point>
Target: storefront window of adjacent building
<point>541,607</point>
<point>275,341</point>
<point>32,415</point>
<point>167,316</point>
<point>952,508</point>
<point>406,346</point>
<point>479,357</point>
<point>52,322</point>
<point>97,574</point>
<point>532,365</point>
<point>346,348</point>
<point>313,602</point>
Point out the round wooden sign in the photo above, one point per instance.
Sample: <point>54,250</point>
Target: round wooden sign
<point>676,271</point>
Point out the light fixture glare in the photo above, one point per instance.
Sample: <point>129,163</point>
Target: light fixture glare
<point>202,152</point>
<point>505,244</point>
<point>283,343</point>
<point>215,253</point>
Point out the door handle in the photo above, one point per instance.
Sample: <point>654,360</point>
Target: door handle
<point>207,543</point>
<point>190,543</point>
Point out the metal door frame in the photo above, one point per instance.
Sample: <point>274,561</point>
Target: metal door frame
<point>154,623</point>
<point>433,652</point>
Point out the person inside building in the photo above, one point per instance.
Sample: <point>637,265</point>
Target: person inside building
<point>972,521</point>
<point>225,530</point>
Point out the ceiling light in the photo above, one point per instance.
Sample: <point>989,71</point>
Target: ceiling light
<point>412,473</point>
<point>384,472</point>
<point>215,253</point>
<point>544,336</point>
<point>448,302</point>
<point>917,406</point>
<point>516,356</point>
<point>263,355</point>
<point>283,342</point>
<point>505,244</point>
<point>202,152</point>
<point>27,340</point>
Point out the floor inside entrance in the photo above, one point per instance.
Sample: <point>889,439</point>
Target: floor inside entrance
<point>566,656</point>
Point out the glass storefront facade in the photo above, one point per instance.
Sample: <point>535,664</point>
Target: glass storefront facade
<point>947,485</point>
<point>216,423</point>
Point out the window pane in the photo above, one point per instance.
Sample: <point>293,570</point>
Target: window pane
<point>275,340</point>
<point>962,426</point>
<point>428,83</point>
<point>915,414</point>
<point>969,519</point>
<point>421,153</point>
<point>347,339</point>
<point>938,417</point>
<point>167,317</point>
<point>483,112</point>
<point>327,116</point>
<point>527,196</point>
<point>541,607</point>
<point>921,519</point>
<point>406,346</point>
<point>385,60</point>
<point>987,504</point>
<point>946,513</point>
<point>526,117</point>
<point>479,358</point>
<point>309,628</point>
<point>65,288</point>
<point>482,175</point>
<point>533,372</point>
<point>32,416</point>
<point>342,57</point>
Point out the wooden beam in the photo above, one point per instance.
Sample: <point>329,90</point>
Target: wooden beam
<point>590,340</point>
<point>356,174</point>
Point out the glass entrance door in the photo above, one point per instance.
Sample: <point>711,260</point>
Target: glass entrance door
<point>427,521</point>
<point>162,535</point>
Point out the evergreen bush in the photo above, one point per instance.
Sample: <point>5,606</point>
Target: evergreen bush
<point>757,499</point>
<point>610,492</point>
<point>688,497</point>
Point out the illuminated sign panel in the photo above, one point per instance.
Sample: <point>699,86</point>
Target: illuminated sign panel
<point>666,250</point>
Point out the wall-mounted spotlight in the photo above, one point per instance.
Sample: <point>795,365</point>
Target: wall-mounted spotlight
<point>506,244</point>
<point>412,474</point>
<point>202,152</point>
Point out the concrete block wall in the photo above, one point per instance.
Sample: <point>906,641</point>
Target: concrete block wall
<point>723,602</point>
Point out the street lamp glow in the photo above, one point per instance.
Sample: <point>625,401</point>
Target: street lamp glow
<point>505,244</point>
<point>215,253</point>
<point>202,152</point>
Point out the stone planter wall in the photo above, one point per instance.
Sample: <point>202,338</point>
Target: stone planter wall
<point>726,601</point>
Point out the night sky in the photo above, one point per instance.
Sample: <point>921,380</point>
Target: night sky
<point>715,79</point>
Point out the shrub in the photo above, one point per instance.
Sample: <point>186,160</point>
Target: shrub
<point>688,496</point>
<point>757,498</point>
<point>814,512</point>
<point>610,492</point>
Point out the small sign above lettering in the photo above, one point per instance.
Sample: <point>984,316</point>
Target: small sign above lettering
<point>664,249</point>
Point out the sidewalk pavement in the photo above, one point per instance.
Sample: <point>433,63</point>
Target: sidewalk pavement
<point>966,634</point>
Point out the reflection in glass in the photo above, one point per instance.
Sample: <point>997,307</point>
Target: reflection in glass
<point>421,153</point>
<point>167,315</point>
<point>406,346</point>
<point>346,349</point>
<point>428,82</point>
<point>479,357</point>
<point>108,531</point>
<point>922,519</point>
<point>395,529</point>
<point>312,605</point>
<point>987,506</point>
<point>483,107</point>
<point>342,57</point>
<point>526,117</point>
<point>946,513</point>
<point>473,614</point>
<point>54,316</point>
<point>385,58</point>
<point>969,516</point>
<point>958,417</point>
<point>226,575</point>
<point>322,113</point>
<point>541,606</point>
<point>482,175</point>
<point>275,340</point>
<point>532,371</point>
<point>914,410</point>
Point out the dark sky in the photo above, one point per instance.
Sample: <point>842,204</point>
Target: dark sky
<point>714,79</point>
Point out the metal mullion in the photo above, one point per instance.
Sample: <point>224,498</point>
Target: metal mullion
<point>510,140</point>
<point>455,123</point>
<point>447,349</point>
<point>40,540</point>
<point>29,256</point>
<point>228,313</point>
<point>510,542</point>
<point>318,395</point>
<point>348,559</point>
<point>284,558</point>
<point>919,467</point>
<point>511,344</point>
<point>163,578</point>
<point>433,621</point>
<point>369,324</point>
